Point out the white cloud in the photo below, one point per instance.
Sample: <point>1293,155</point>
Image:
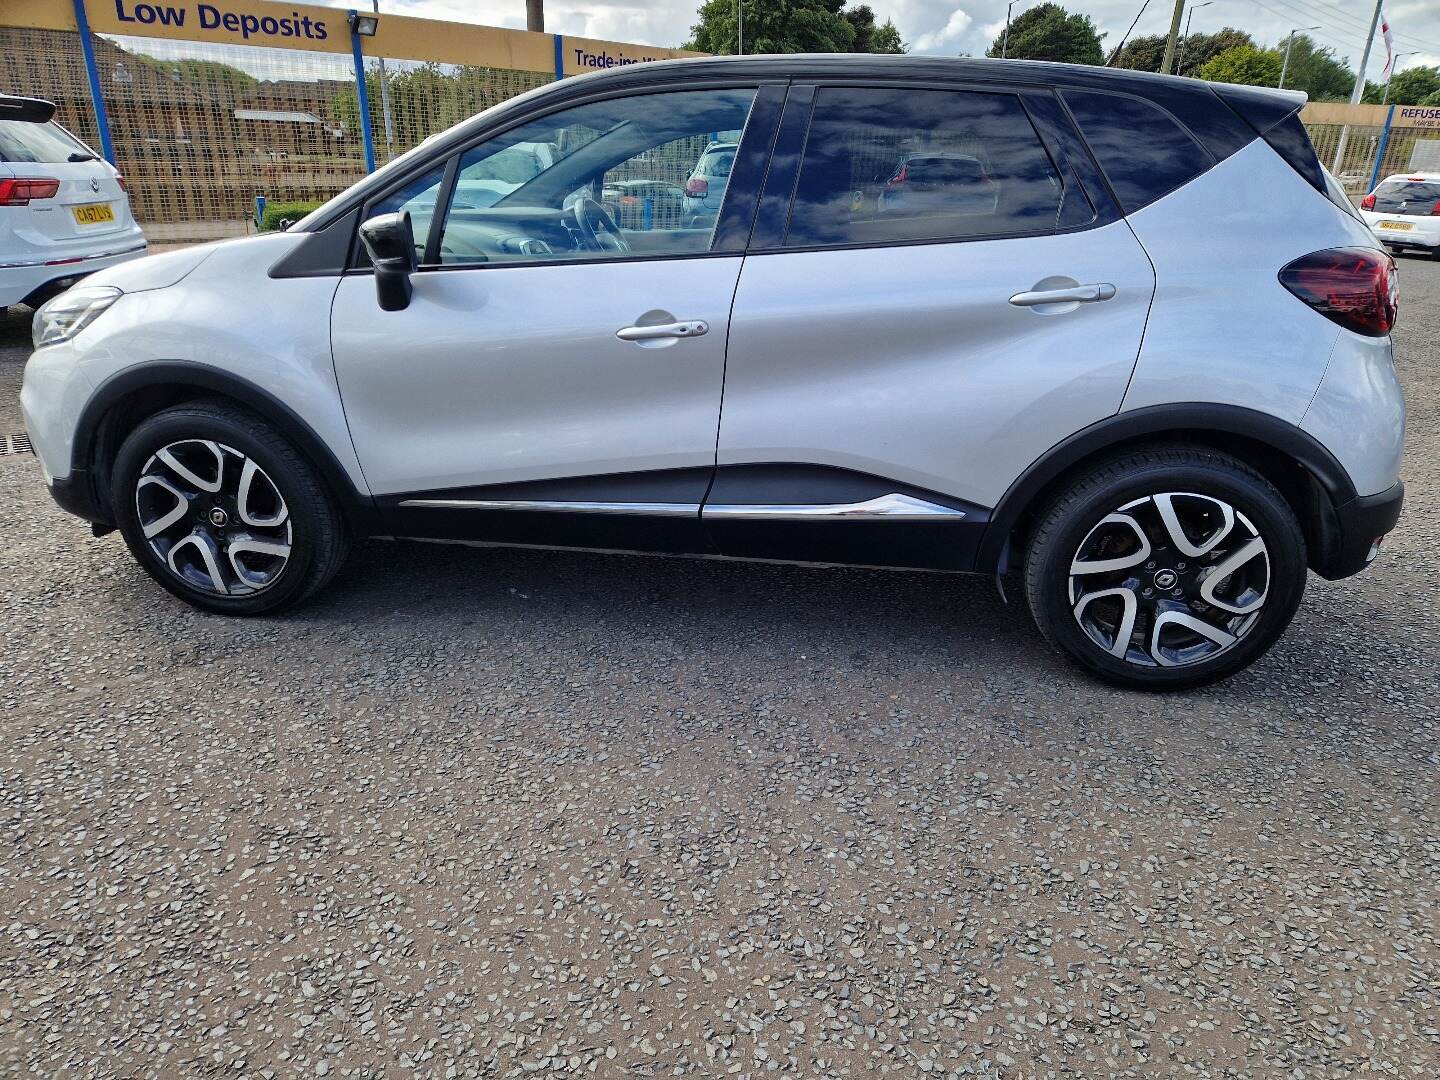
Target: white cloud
<point>938,26</point>
<point>947,36</point>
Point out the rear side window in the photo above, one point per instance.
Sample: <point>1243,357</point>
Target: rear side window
<point>891,165</point>
<point>47,143</point>
<point>1144,152</point>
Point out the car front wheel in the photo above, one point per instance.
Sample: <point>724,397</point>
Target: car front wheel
<point>1166,568</point>
<point>223,511</point>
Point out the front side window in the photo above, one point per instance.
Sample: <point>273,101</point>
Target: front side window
<point>887,165</point>
<point>418,197</point>
<point>603,180</point>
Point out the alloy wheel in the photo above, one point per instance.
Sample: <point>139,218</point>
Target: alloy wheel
<point>1170,580</point>
<point>214,517</point>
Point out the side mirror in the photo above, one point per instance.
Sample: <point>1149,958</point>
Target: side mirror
<point>390,242</point>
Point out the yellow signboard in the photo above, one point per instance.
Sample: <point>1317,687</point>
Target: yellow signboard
<point>583,55</point>
<point>325,29</point>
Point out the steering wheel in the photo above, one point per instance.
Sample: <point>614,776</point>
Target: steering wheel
<point>597,228</point>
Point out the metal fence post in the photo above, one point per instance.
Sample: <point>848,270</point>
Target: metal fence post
<point>367,132</point>
<point>559,57</point>
<point>1380,150</point>
<point>92,72</point>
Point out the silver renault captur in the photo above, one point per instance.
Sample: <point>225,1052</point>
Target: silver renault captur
<point>1117,334</point>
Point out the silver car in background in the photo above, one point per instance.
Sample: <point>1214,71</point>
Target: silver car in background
<point>1126,343</point>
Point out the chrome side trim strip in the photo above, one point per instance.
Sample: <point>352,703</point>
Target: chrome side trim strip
<point>647,509</point>
<point>892,507</point>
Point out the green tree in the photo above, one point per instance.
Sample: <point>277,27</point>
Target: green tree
<point>1316,71</point>
<point>1141,54</point>
<point>870,38</point>
<point>1243,64</point>
<point>208,76</point>
<point>1409,87</point>
<point>1049,32</point>
<point>788,26</point>
<point>1200,49</point>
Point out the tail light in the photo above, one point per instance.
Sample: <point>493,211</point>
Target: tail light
<point>19,192</point>
<point>900,177</point>
<point>1435,210</point>
<point>1368,203</point>
<point>697,187</point>
<point>1355,287</point>
<point>121,181</point>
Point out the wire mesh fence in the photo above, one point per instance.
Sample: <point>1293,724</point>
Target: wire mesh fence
<point>410,100</point>
<point>200,129</point>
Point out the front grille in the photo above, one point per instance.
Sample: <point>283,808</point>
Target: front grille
<point>15,444</point>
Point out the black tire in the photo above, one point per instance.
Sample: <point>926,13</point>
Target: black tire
<point>317,537</point>
<point>1068,520</point>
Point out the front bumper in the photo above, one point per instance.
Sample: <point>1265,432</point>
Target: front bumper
<point>1352,532</point>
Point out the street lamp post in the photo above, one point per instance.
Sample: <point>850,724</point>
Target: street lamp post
<point>1185,41</point>
<point>739,28</point>
<point>1005,41</point>
<point>385,97</point>
<point>1289,41</point>
<point>1394,63</point>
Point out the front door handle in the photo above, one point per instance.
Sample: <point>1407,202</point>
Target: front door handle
<point>1078,294</point>
<point>688,328</point>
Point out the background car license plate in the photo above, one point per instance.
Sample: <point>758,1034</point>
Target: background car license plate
<point>1398,226</point>
<point>93,213</point>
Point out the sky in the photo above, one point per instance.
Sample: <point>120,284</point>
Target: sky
<point>945,28</point>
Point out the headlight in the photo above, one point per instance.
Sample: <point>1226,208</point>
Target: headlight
<point>70,312</point>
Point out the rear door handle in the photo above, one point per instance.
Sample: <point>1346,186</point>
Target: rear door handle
<point>1079,294</point>
<point>688,328</point>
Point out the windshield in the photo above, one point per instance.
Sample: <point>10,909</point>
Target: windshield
<point>48,143</point>
<point>1411,197</point>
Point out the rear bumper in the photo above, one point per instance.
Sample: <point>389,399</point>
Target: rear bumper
<point>32,282</point>
<point>1353,531</point>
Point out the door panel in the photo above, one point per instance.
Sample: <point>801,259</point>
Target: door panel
<point>509,374</point>
<point>910,362</point>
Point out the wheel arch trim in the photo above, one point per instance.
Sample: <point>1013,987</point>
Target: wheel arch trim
<point>1177,419</point>
<point>357,505</point>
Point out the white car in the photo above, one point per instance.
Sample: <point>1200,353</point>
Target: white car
<point>1404,211</point>
<point>63,211</point>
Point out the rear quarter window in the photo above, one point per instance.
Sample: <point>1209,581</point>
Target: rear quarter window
<point>1143,151</point>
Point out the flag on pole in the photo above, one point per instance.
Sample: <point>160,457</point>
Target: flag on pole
<point>1389,44</point>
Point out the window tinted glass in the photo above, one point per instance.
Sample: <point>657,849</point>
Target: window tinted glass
<point>419,198</point>
<point>885,165</point>
<point>603,180</point>
<point>22,141</point>
<point>1413,197</point>
<point>1145,154</point>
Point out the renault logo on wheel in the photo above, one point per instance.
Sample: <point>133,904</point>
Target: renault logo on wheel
<point>1166,579</point>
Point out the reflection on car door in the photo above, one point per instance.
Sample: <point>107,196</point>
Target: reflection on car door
<point>930,347</point>
<point>532,394</point>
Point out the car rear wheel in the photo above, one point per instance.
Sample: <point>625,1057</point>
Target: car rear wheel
<point>1166,568</point>
<point>224,512</point>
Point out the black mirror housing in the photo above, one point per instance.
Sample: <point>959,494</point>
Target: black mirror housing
<point>390,241</point>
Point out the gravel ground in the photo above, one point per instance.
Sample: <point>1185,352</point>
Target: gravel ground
<point>496,813</point>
